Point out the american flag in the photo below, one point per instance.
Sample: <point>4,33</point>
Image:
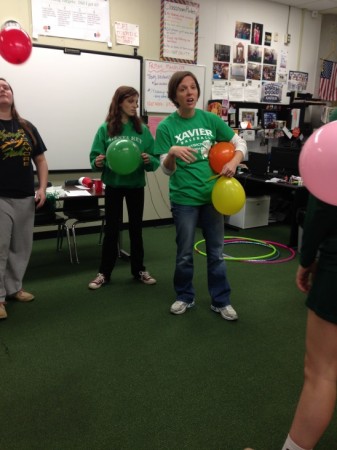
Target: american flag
<point>328,81</point>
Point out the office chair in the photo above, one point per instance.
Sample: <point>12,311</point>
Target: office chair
<point>80,210</point>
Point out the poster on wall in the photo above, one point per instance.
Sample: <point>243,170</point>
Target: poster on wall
<point>257,33</point>
<point>254,53</point>
<point>220,71</point>
<point>253,71</point>
<point>297,81</point>
<point>242,30</point>
<point>269,56</point>
<point>268,72</point>
<point>267,38</point>
<point>74,20</point>
<point>219,107</point>
<point>271,92</point>
<point>179,31</point>
<point>222,52</point>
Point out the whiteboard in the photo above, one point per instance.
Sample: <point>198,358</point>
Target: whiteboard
<point>67,97</point>
<point>156,78</point>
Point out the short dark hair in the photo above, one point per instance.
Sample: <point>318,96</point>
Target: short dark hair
<point>174,82</point>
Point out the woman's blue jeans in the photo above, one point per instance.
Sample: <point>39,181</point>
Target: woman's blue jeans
<point>186,219</point>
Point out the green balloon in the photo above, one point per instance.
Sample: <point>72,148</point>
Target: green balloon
<point>123,156</point>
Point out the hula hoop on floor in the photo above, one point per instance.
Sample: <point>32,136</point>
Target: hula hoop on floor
<point>233,240</point>
<point>274,254</point>
<point>257,260</point>
<point>292,254</point>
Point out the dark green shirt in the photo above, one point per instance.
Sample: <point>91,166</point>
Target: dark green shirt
<point>145,143</point>
<point>320,234</point>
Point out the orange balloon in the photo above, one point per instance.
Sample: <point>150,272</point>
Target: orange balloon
<point>220,154</point>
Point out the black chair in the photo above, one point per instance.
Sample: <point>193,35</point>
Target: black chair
<point>80,210</point>
<point>47,215</point>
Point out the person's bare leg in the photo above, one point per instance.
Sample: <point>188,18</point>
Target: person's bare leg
<point>318,398</point>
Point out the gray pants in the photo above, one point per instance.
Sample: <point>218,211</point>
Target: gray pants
<point>16,240</point>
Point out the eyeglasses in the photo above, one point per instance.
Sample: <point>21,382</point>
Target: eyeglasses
<point>5,87</point>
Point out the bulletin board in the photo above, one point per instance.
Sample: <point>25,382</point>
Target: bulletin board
<point>156,78</point>
<point>66,94</point>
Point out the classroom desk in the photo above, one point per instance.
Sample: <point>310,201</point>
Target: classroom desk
<point>298,196</point>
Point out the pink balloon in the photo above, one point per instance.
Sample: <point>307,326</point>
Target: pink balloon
<point>15,45</point>
<point>318,163</point>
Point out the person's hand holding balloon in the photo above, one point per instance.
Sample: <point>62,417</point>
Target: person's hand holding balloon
<point>229,169</point>
<point>99,161</point>
<point>145,158</point>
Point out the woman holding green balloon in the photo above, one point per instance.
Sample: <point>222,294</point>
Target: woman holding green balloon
<point>183,141</point>
<point>123,150</point>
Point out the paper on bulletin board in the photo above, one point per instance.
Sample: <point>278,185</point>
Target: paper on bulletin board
<point>74,20</point>
<point>127,34</point>
<point>236,92</point>
<point>252,92</point>
<point>248,135</point>
<point>219,89</point>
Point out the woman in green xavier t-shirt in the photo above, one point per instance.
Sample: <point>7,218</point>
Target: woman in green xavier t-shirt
<point>183,141</point>
<point>122,122</point>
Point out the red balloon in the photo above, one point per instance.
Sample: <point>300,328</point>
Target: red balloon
<point>220,154</point>
<point>15,45</point>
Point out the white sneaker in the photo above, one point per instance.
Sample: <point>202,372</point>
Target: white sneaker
<point>179,307</point>
<point>97,282</point>
<point>146,278</point>
<point>227,312</point>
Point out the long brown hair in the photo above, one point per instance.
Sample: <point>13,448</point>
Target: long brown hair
<point>114,117</point>
<point>15,115</point>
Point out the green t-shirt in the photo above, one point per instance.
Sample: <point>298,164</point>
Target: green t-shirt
<point>189,184</point>
<point>145,143</point>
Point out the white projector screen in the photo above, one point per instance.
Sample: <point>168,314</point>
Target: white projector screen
<point>66,94</point>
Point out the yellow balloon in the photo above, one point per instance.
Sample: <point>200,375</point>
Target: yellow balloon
<point>228,196</point>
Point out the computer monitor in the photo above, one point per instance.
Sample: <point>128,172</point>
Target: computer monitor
<point>284,160</point>
<point>257,163</point>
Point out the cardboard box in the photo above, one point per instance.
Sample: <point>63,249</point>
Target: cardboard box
<point>255,213</point>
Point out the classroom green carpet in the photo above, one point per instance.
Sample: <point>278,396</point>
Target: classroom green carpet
<point>113,369</point>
